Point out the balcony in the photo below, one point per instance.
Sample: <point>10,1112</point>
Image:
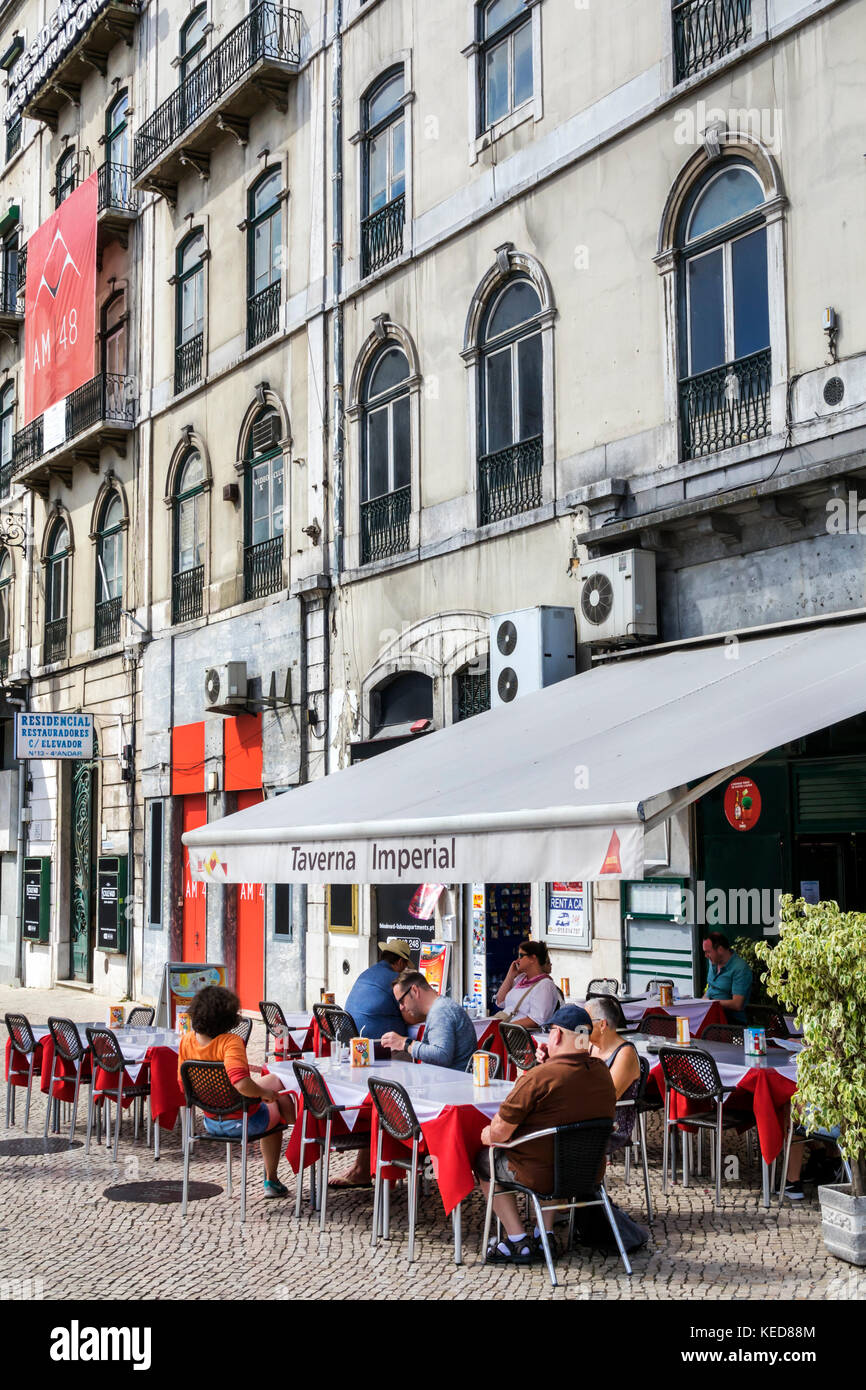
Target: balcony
<point>382,235</point>
<point>509,481</point>
<point>187,363</point>
<point>11,307</point>
<point>186,594</point>
<point>107,624</point>
<point>263,315</point>
<point>41,94</point>
<point>13,137</point>
<point>727,406</point>
<point>385,525</point>
<point>22,270</point>
<point>259,57</point>
<point>263,568</point>
<point>54,645</point>
<point>4,658</point>
<point>117,203</point>
<point>5,479</point>
<point>705,30</point>
<point>102,411</point>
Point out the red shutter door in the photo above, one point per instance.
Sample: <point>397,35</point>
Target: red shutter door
<point>251,929</point>
<point>194,919</point>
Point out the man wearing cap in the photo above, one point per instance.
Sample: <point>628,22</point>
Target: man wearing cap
<point>371,1000</point>
<point>570,1085</point>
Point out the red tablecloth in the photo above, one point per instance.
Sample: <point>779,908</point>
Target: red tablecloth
<point>491,1041</point>
<point>20,1064</point>
<point>64,1089</point>
<point>764,1091</point>
<point>166,1096</point>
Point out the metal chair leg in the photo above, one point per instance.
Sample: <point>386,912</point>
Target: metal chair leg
<point>545,1243</point>
<point>613,1226</point>
<point>118,1105</point>
<point>413,1199</point>
<point>646,1182</point>
<point>9,1106</point>
<point>718,1153</point>
<point>244,1149</point>
<point>50,1098</point>
<point>75,1103</point>
<point>90,1105</point>
<point>186,1152</point>
<point>299,1194</point>
<point>377,1191</point>
<point>666,1140</point>
<point>783,1176</point>
<point>326,1168</point>
<point>29,1092</point>
<point>488,1215</point>
<point>228,1170</point>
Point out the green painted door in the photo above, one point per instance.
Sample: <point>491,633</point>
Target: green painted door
<point>81,898</point>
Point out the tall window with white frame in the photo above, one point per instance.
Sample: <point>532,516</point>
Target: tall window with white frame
<point>5,610</point>
<point>704,30</point>
<point>189,311</point>
<point>505,76</point>
<point>56,594</point>
<point>9,252</point>
<point>386,471</point>
<point>263,508</point>
<point>66,176</point>
<point>7,419</point>
<point>193,41</point>
<point>384,172</point>
<point>187,585</point>
<point>109,572</point>
<point>115,175</point>
<point>724,320</point>
<point>510,396</point>
<point>264,257</point>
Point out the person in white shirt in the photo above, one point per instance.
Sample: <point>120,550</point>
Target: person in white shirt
<point>528,995</point>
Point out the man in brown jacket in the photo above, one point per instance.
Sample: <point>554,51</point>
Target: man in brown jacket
<point>571,1085</point>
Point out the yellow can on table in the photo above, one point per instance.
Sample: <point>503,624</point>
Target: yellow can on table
<point>481,1068</point>
<point>683,1034</point>
<point>361,1052</point>
<point>115,1016</point>
<point>565,986</point>
<point>666,995</point>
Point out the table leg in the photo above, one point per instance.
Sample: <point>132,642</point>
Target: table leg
<point>765,1181</point>
<point>386,1209</point>
<point>457,1222</point>
<point>156,1129</point>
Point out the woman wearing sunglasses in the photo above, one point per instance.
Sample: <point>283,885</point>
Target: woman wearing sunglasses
<point>528,995</point>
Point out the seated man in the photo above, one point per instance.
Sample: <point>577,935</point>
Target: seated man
<point>371,1000</point>
<point>729,977</point>
<point>449,1037</point>
<point>570,1085</point>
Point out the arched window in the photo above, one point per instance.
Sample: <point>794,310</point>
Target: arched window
<point>192,42</point>
<point>5,610</point>
<point>9,271</point>
<point>386,466</point>
<point>264,257</point>
<point>505,59</point>
<point>724,320</point>
<point>7,419</point>
<point>384,179</point>
<point>118,169</point>
<point>403,700</point>
<point>189,540</point>
<point>510,395</point>
<point>189,311</point>
<point>114,319</point>
<point>263,508</point>
<point>57,593</point>
<point>109,572</point>
<point>471,689</point>
<point>66,175</point>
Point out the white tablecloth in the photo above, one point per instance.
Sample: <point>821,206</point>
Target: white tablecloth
<point>695,1010</point>
<point>732,1062</point>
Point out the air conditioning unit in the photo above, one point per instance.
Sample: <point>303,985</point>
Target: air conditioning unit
<point>225,687</point>
<point>530,649</point>
<point>618,598</point>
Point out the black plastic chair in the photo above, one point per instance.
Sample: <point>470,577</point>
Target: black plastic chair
<point>243,1028</point>
<point>141,1017</point>
<point>659,1026</point>
<point>68,1046</point>
<point>276,1027</point>
<point>693,1074</point>
<point>335,1025</point>
<point>654,984</point>
<point>770,1019</point>
<point>22,1041</point>
<point>578,1154</point>
<point>492,1061</point>
<point>602,986</point>
<point>319,1103</point>
<point>519,1046</point>
<point>630,1109</point>
<point>398,1119</point>
<point>206,1086</point>
<point>723,1033</point>
<point>107,1056</point>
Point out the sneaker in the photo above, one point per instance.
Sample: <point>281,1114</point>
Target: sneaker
<point>794,1191</point>
<point>275,1188</point>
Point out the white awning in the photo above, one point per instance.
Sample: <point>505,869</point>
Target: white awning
<point>559,785</point>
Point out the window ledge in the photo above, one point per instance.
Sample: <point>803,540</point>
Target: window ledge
<point>526,112</point>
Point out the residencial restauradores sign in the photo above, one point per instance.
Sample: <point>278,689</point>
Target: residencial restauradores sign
<point>54,735</point>
<point>51,44</point>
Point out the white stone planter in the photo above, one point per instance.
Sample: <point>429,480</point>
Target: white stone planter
<point>843,1223</point>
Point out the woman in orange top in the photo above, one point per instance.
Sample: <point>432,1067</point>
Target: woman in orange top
<point>212,1012</point>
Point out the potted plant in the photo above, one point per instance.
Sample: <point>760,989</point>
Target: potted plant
<point>745,947</point>
<point>818,970</point>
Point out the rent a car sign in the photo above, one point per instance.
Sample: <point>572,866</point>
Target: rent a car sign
<point>54,735</point>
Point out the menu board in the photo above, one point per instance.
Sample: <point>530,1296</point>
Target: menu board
<point>393,918</point>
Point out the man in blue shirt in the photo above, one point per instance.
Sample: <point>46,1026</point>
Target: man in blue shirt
<point>449,1034</point>
<point>729,977</point>
<point>371,1000</point>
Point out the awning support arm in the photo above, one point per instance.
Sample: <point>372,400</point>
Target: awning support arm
<point>695,793</point>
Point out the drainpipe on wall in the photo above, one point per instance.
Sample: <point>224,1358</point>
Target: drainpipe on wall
<point>23,767</point>
<point>337,276</point>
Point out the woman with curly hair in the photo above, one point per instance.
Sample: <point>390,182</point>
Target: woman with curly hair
<point>212,1013</point>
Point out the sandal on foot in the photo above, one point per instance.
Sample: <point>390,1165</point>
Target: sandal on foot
<point>518,1251</point>
<point>345,1183</point>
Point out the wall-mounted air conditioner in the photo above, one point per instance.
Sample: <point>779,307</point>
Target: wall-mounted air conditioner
<point>530,649</point>
<point>225,688</point>
<point>618,598</point>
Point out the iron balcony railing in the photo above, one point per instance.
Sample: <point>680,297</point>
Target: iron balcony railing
<point>4,656</point>
<point>267,32</point>
<point>5,479</point>
<point>188,362</point>
<point>13,137</point>
<point>509,481</point>
<point>726,406</point>
<point>107,622</point>
<point>382,235</point>
<point>705,30</point>
<point>9,292</point>
<point>105,398</point>
<point>385,525</point>
<point>263,314</point>
<point>114,189</point>
<point>55,641</point>
<point>473,693</point>
<point>22,267</point>
<point>186,594</point>
<point>263,568</point>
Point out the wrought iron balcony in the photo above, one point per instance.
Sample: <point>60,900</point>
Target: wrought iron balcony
<point>259,56</point>
<point>4,657</point>
<point>705,30</point>
<point>5,479</point>
<point>263,314</point>
<point>54,645</point>
<point>385,525</point>
<point>263,568</point>
<point>22,268</point>
<point>11,307</point>
<point>509,481</point>
<point>117,202</point>
<point>102,411</point>
<point>107,625</point>
<point>382,235</point>
<point>472,692</point>
<point>51,87</point>
<point>188,358</point>
<point>13,137</point>
<point>727,406</point>
<point>186,594</point>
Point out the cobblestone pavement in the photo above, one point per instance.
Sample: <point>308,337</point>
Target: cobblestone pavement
<point>63,1239</point>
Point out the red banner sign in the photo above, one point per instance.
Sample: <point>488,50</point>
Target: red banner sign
<point>742,803</point>
<point>60,302</point>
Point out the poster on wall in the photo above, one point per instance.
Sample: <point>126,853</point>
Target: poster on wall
<point>433,964</point>
<point>568,920</point>
<point>395,918</point>
<point>180,981</point>
<point>60,306</point>
<point>477,990</point>
<point>742,803</point>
